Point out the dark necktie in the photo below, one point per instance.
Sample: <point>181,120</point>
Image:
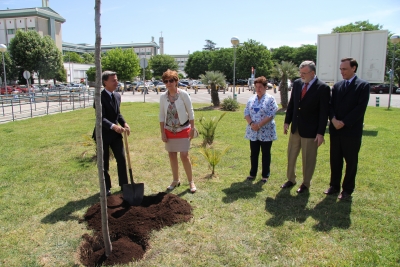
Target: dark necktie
<point>113,101</point>
<point>347,84</point>
<point>304,91</point>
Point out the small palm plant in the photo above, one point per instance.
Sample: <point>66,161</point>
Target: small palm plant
<point>208,128</point>
<point>284,71</point>
<point>213,156</point>
<point>214,79</point>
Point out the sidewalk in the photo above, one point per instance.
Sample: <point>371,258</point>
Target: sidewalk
<point>24,107</point>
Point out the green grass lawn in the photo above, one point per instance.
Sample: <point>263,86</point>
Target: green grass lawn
<point>46,186</point>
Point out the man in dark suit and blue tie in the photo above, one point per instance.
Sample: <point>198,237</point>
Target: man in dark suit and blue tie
<point>111,131</point>
<point>307,113</point>
<point>348,105</point>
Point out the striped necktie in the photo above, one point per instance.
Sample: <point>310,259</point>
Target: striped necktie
<point>304,91</point>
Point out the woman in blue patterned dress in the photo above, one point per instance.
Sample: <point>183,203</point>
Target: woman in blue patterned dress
<point>261,130</point>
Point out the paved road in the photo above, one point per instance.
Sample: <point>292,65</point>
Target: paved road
<point>27,109</point>
<point>203,97</point>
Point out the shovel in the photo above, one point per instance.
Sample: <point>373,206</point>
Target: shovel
<point>133,193</point>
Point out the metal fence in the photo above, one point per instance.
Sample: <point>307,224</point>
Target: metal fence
<point>23,106</point>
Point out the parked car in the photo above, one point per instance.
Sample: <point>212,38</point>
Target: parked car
<point>242,82</point>
<point>9,90</point>
<point>398,91</point>
<point>23,88</point>
<point>183,85</point>
<point>199,85</point>
<point>184,82</point>
<point>160,87</point>
<point>134,86</point>
<point>148,86</point>
<point>77,88</point>
<point>382,88</point>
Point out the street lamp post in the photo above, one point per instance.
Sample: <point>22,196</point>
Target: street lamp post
<point>69,63</point>
<point>394,40</point>
<point>235,42</point>
<point>3,49</point>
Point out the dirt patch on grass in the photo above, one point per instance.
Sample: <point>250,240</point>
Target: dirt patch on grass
<point>130,227</point>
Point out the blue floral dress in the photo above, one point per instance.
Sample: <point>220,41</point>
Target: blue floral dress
<point>258,109</point>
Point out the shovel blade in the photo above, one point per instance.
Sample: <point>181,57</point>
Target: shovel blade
<point>133,193</point>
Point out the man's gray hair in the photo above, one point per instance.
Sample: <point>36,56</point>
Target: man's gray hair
<point>106,74</point>
<point>308,63</point>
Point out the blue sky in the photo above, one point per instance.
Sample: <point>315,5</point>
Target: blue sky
<point>186,24</point>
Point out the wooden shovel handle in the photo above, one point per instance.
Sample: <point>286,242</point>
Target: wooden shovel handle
<point>128,157</point>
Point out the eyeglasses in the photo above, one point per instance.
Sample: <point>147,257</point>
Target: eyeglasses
<point>304,73</point>
<point>170,81</point>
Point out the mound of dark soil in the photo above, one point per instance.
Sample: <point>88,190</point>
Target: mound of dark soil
<point>129,227</point>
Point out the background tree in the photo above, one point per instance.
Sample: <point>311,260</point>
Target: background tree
<point>253,54</point>
<point>73,57</point>
<point>284,71</point>
<point>210,46</point>
<point>283,53</point>
<point>61,75</point>
<point>91,74</point>
<point>160,63</point>
<point>304,52</point>
<point>88,58</point>
<point>12,72</point>
<point>222,61</point>
<point>198,63</point>
<point>51,62</point>
<point>214,79</point>
<point>124,62</point>
<point>34,53</point>
<point>358,26</point>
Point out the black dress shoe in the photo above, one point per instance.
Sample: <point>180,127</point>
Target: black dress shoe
<point>344,196</point>
<point>108,192</point>
<point>331,190</point>
<point>288,184</point>
<point>302,189</point>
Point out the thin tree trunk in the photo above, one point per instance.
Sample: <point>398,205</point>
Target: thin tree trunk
<point>99,137</point>
<point>284,92</point>
<point>214,95</point>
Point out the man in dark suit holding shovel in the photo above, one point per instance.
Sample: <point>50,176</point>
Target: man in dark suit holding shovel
<point>111,131</point>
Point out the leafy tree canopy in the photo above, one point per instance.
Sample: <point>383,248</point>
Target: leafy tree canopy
<point>198,63</point>
<point>253,54</point>
<point>34,53</point>
<point>222,60</point>
<point>124,62</point>
<point>210,46</point>
<point>358,26</point>
<point>91,74</point>
<point>160,63</point>
<point>73,57</point>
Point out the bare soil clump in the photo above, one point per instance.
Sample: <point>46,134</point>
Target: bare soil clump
<point>129,227</point>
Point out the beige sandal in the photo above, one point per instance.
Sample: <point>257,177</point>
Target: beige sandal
<point>174,184</point>
<point>192,187</point>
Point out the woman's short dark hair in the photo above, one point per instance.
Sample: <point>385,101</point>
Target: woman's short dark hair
<point>261,80</point>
